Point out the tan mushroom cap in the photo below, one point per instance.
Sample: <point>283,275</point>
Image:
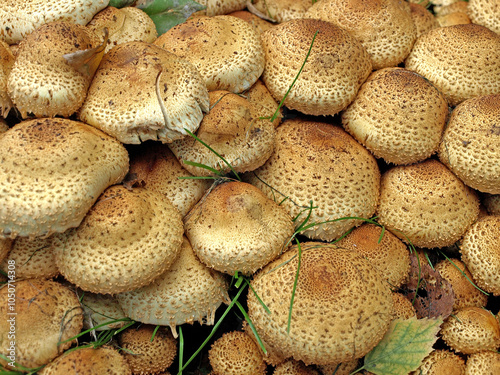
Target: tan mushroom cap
<point>293,367</point>
<point>156,168</point>
<point>226,50</point>
<point>127,239</point>
<point>333,318</point>
<point>217,7</point>
<point>47,314</point>
<point>344,368</point>
<point>259,24</point>
<point>384,27</point>
<point>16,24</point>
<point>236,227</point>
<point>455,18</point>
<point>426,204</point>
<point>424,20</point>
<point>52,171</point>
<point>6,63</point>
<point>335,69</point>
<point>89,361</point>
<point>398,115</point>
<point>320,162</point>
<point>471,141</point>
<point>141,92</point>
<point>492,203</point>
<point>480,250</point>
<point>147,350</point>
<point>3,126</point>
<point>403,308</point>
<point>233,129</point>
<point>462,61</point>
<point>187,292</point>
<point>259,96</point>
<point>235,353</point>
<point>486,362</point>
<point>485,13</point>
<point>280,10</point>
<point>5,246</point>
<point>471,330</point>
<point>452,6</point>
<point>100,309</point>
<point>127,24</point>
<point>440,362</point>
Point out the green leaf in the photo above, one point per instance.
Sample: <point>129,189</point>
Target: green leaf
<point>120,3</point>
<point>404,346</point>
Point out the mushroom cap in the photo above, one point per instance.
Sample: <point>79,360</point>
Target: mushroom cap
<point>485,13</point>
<point>281,10</point>
<point>99,309</point>
<point>16,24</point>
<point>51,172</point>
<point>451,19</point>
<point>6,63</point>
<point>188,291</point>
<point>471,330</point>
<point>127,239</point>
<point>3,126</point>
<point>293,367</point>
<point>486,362</point>
<point>452,6</point>
<point>141,92</point>
<point>235,353</point>
<point>471,141</point>
<point>423,19</point>
<point>403,308</point>
<point>233,129</point>
<point>5,247</point>
<point>480,250</point>
<point>332,75</point>
<point>384,27</point>
<point>47,314</point>
<point>226,50</point>
<point>262,100</point>
<point>218,8</point>
<point>462,61</point>
<point>397,115</point>
<point>89,361</point>
<point>333,318</point>
<point>259,24</point>
<point>320,162</point>
<point>426,204</point>
<point>145,354</point>
<point>41,81</point>
<point>236,227</point>
<point>344,368</point>
<point>440,362</point>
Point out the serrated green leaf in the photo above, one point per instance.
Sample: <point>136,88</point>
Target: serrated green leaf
<point>404,346</point>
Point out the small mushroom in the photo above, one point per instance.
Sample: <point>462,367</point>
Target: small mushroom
<point>6,63</point>
<point>424,19</point>
<point>485,13</point>
<point>100,309</point>
<point>441,362</point>
<point>280,10</point>
<point>403,308</point>
<point>455,18</point>
<point>487,362</point>
<point>218,8</point>
<point>293,367</point>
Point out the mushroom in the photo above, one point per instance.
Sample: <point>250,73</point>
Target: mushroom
<point>424,20</point>
<point>345,368</point>
<point>217,8</point>
<point>486,362</point>
<point>440,362</point>
<point>455,18</point>
<point>492,203</point>
<point>450,6</point>
<point>6,63</point>
<point>293,367</point>
<point>485,13</point>
<point>403,308</point>
<point>262,100</point>
<point>100,309</point>
<point>280,10</point>
<point>259,24</point>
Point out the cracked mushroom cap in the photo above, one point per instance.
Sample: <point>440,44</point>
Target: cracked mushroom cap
<point>424,19</point>
<point>320,162</point>
<point>332,75</point>
<point>141,92</point>
<point>397,115</point>
<point>127,239</point>
<point>51,172</point>
<point>486,362</point>
<point>440,362</point>
<point>100,309</point>
<point>236,227</point>
<point>6,63</point>
<point>333,318</point>
<point>462,61</point>
<point>471,141</point>
<point>426,204</point>
<point>47,314</point>
<point>233,129</point>
<point>226,50</point>
<point>187,292</point>
<point>485,13</point>
<point>480,250</point>
<point>384,27</point>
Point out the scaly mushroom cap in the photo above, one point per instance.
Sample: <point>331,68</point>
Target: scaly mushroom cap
<point>145,354</point>
<point>452,19</point>
<point>226,50</point>
<point>6,63</point>
<point>127,239</point>
<point>89,361</point>
<point>480,250</point>
<point>426,204</point>
<point>335,69</point>
<point>51,172</point>
<point>471,141</point>
<point>100,309</point>
<point>141,92</point>
<point>486,362</point>
<point>462,61</point>
<point>218,8</point>
<point>5,247</point>
<point>281,10</point>
<point>403,308</point>
<point>320,162</point>
<point>47,314</point>
<point>423,19</point>
<point>471,330</point>
<point>397,115</point>
<point>20,18</point>
<point>259,25</point>
<point>441,362</point>
<point>485,13</point>
<point>233,129</point>
<point>188,291</point>
<point>293,367</point>
<point>262,100</point>
<point>345,368</point>
<point>235,353</point>
<point>333,318</point>
<point>384,27</point>
<point>236,227</point>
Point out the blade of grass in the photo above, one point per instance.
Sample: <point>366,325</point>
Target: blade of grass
<point>200,165</point>
<point>154,333</point>
<point>181,349</point>
<point>252,327</point>
<point>463,273</point>
<point>97,326</point>
<point>294,288</point>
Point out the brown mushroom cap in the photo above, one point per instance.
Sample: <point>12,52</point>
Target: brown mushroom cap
<point>335,69</point>
<point>344,368</point>
<point>141,92</point>
<point>440,362</point>
<point>462,61</point>
<point>333,318</point>
<point>100,309</point>
<point>486,362</point>
<point>47,314</point>
<point>426,204</point>
<point>293,367</point>
<point>403,308</point>
<point>260,25</point>
<point>424,20</point>
<point>471,141</point>
<point>485,13</point>
<point>226,50</point>
<point>217,8</point>
<point>5,246</point>
<point>320,162</point>
<point>127,239</point>
<point>397,115</point>
<point>6,63</point>
<point>262,100</point>
<point>451,19</point>
<point>280,10</point>
<point>51,172</point>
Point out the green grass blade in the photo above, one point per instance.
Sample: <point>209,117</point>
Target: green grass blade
<point>154,333</point>
<point>463,274</point>
<point>181,349</point>
<point>200,165</point>
<point>294,288</point>
<point>97,326</point>
<point>252,327</point>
